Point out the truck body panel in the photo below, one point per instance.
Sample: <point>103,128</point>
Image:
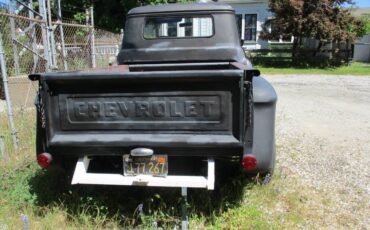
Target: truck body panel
<point>190,96</point>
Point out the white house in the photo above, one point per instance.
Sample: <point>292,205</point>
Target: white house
<point>361,47</point>
<point>251,16</point>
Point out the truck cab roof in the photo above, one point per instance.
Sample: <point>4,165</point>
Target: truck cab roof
<point>180,7</point>
<point>181,32</point>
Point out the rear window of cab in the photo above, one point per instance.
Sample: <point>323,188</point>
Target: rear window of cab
<point>178,27</point>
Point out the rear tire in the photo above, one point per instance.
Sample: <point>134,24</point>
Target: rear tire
<point>227,173</point>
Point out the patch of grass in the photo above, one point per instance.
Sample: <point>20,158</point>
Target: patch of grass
<point>48,202</point>
<point>44,197</point>
<point>249,217</point>
<point>355,68</point>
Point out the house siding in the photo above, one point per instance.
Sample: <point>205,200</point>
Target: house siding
<point>362,49</point>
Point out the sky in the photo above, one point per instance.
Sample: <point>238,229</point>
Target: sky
<point>362,3</point>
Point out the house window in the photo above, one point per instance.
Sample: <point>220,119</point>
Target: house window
<point>238,18</point>
<point>250,33</point>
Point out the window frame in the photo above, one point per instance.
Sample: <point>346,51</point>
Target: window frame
<point>245,28</point>
<point>240,29</point>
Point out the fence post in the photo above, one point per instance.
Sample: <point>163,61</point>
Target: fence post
<point>64,54</point>
<point>51,38</point>
<point>33,37</point>
<point>14,45</point>
<point>7,96</point>
<point>93,55</point>
<point>45,36</point>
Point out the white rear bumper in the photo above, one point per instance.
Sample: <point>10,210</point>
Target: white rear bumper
<point>81,176</point>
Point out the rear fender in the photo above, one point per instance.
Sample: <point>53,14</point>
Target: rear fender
<point>264,102</point>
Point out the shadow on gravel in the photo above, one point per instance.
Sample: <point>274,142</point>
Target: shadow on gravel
<point>137,205</point>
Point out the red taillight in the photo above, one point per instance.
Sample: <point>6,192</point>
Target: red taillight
<point>44,160</point>
<point>249,162</point>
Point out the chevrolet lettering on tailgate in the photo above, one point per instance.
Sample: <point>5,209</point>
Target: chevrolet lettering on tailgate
<point>191,110</point>
<point>121,108</point>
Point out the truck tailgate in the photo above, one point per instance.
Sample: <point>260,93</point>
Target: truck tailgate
<point>158,109</point>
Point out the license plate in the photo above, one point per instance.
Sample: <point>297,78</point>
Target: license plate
<point>155,165</point>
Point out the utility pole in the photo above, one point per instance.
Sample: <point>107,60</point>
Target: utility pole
<point>7,95</point>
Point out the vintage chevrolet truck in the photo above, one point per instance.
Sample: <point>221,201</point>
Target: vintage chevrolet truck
<point>182,100</point>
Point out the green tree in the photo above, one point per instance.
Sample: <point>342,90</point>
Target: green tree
<point>109,15</point>
<point>366,20</point>
<point>323,20</point>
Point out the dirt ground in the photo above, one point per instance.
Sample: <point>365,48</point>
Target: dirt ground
<point>323,137</point>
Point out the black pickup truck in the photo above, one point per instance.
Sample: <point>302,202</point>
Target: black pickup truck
<point>182,100</point>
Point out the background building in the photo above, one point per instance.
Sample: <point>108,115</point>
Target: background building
<point>361,47</point>
<point>251,16</point>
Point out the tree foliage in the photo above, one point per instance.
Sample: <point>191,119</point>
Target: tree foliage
<point>366,20</point>
<point>109,15</point>
<point>323,20</point>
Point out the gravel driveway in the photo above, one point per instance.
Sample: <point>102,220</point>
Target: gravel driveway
<point>323,138</point>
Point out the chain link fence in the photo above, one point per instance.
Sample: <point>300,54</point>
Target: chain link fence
<point>25,51</point>
<point>30,44</point>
